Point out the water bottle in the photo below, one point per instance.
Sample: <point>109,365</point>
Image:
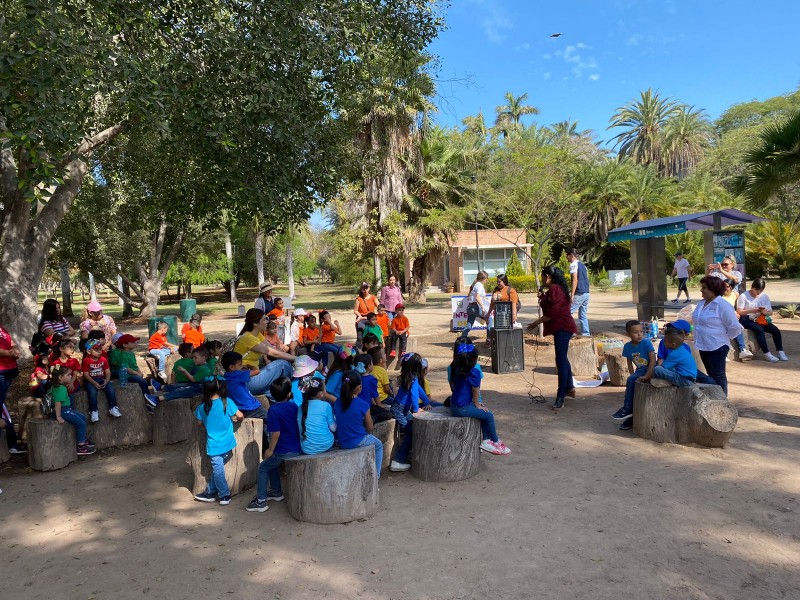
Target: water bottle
<point>654,328</point>
<point>123,377</point>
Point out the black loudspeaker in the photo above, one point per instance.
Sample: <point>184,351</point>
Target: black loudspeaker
<point>502,315</point>
<point>508,351</point>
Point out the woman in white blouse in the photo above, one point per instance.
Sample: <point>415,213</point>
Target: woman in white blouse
<point>476,302</point>
<point>754,306</point>
<point>715,323</point>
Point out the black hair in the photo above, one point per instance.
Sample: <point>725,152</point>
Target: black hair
<point>281,389</point>
<point>339,364</point>
<point>57,372</point>
<point>185,349</point>
<point>731,283</point>
<point>375,353</point>
<point>202,351</point>
<point>213,346</point>
<point>214,387</point>
<point>251,319</point>
<point>504,278</point>
<point>370,338</point>
<point>371,315</point>
<point>630,324</point>
<point>557,276</point>
<point>364,359</point>
<point>759,283</point>
<point>49,311</point>
<point>229,359</point>
<point>312,388</point>
<point>310,320</point>
<point>61,344</point>
<point>322,314</point>
<point>410,369</point>
<point>362,290</point>
<point>276,300</point>
<point>457,343</point>
<point>350,381</point>
<point>463,363</point>
<point>95,334</point>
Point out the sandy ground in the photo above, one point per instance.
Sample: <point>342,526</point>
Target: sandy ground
<point>579,510</point>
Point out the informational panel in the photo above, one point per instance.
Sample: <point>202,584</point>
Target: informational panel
<point>730,242</point>
<point>620,277</point>
<point>458,305</point>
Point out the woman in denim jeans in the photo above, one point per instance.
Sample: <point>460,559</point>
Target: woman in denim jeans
<point>555,304</point>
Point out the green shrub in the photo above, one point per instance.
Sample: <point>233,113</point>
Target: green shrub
<point>514,268</point>
<point>604,285</point>
<point>563,263</point>
<point>789,311</point>
<point>596,277</point>
<point>523,283</point>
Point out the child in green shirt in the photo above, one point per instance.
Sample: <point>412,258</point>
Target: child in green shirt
<point>62,409</point>
<point>189,376</point>
<point>122,357</point>
<point>373,327</point>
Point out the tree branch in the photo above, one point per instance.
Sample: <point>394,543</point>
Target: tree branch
<point>118,292</point>
<point>158,248</point>
<point>173,253</point>
<point>8,172</point>
<point>89,144</point>
<point>136,289</point>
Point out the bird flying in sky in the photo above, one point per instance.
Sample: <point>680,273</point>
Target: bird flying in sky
<point>556,35</point>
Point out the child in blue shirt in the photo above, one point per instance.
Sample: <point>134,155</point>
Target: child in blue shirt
<point>465,400</point>
<point>641,361</point>
<point>237,379</point>
<point>217,413</point>
<point>369,388</point>
<point>406,404</point>
<point>663,351</point>
<point>284,442</point>
<point>679,367</point>
<point>315,417</point>
<point>353,418</point>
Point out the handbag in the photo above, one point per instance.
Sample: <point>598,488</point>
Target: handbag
<point>763,320</point>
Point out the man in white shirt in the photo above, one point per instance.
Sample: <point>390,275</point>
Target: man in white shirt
<point>579,280</point>
<point>682,270</point>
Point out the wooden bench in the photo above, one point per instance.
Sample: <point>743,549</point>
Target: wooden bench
<point>699,414</point>
<point>241,470</point>
<point>445,448</point>
<point>51,445</point>
<point>337,486</point>
<point>133,428</point>
<point>5,455</point>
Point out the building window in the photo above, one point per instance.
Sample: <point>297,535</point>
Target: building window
<point>493,261</point>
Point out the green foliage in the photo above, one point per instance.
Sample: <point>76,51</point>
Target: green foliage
<point>523,283</point>
<point>789,311</point>
<point>604,285</point>
<point>595,277</point>
<point>514,267</point>
<point>563,263</point>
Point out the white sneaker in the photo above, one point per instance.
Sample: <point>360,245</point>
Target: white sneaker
<point>398,466</point>
<point>15,451</point>
<point>94,417</point>
<point>114,412</point>
<point>745,355</point>
<point>782,355</point>
<point>771,357</point>
<point>487,445</point>
<point>502,447</point>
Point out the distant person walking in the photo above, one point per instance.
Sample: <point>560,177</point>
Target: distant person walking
<point>682,270</point>
<point>579,277</point>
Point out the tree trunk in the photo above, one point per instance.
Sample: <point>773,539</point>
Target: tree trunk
<point>376,270</point>
<point>337,486</point>
<point>386,432</point>
<point>66,292</point>
<point>5,455</point>
<point>446,448</point>
<point>51,445</point>
<point>617,367</point>
<point>229,262</point>
<point>134,428</point>
<point>259,247</point>
<point>173,421</point>
<point>151,291</point>
<point>290,266</point>
<point>582,356</point>
<point>92,288</point>
<point>120,300</point>
<point>188,290</point>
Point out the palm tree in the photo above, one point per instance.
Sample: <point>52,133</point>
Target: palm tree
<point>644,121</point>
<point>601,189</point>
<point>687,135</point>
<point>509,115</point>
<point>476,125</point>
<point>645,196</point>
<point>774,164</point>
<point>777,244</point>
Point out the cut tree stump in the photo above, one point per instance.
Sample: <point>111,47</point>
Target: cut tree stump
<point>582,356</point>
<point>5,455</point>
<point>387,433</point>
<point>445,448</point>
<point>337,486</point>
<point>699,414</point>
<point>28,408</point>
<point>752,345</point>
<point>173,421</point>
<point>133,428</point>
<point>617,368</point>
<point>241,470</point>
<point>51,445</point>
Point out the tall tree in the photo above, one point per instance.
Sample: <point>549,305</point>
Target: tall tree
<point>509,115</point>
<point>642,122</point>
<point>688,134</point>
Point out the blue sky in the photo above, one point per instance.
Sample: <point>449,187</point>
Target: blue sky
<point>707,53</point>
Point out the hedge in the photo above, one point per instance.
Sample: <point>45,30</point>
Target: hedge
<point>523,283</point>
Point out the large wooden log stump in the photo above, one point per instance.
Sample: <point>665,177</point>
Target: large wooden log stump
<point>445,448</point>
<point>386,432</point>
<point>173,421</point>
<point>337,486</point>
<point>699,414</point>
<point>5,455</point>
<point>51,445</point>
<point>617,367</point>
<point>582,356</point>
<point>751,344</point>
<point>133,428</point>
<point>241,470</point>
<point>28,408</point>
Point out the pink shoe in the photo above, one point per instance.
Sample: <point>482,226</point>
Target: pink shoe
<point>502,447</point>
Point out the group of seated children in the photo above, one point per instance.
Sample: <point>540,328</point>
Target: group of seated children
<point>672,364</point>
<point>320,407</point>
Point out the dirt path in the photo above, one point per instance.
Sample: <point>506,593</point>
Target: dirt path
<point>579,510</point>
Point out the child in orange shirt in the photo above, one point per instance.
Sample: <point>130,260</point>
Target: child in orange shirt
<point>400,328</point>
<point>383,322</point>
<point>160,347</point>
<point>280,318</point>
<point>311,333</point>
<point>192,332</point>
<point>329,329</point>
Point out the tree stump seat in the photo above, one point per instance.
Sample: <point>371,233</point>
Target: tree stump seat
<point>751,344</point>
<point>51,445</point>
<point>700,414</point>
<point>242,469</point>
<point>5,455</point>
<point>337,486</point>
<point>582,355</point>
<point>617,367</point>
<point>387,433</point>
<point>133,428</point>
<point>173,421</point>
<point>445,448</point>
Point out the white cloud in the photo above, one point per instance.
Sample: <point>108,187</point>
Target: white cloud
<point>547,56</point>
<point>496,24</point>
<point>579,62</point>
<point>634,39</point>
<point>546,75</point>
<point>582,46</point>
<point>523,47</point>
<point>594,77</point>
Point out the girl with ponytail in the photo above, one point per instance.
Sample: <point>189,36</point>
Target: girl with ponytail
<point>354,420</point>
<point>315,418</point>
